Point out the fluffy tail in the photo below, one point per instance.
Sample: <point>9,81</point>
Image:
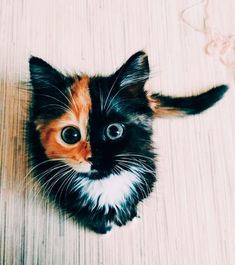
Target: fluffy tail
<point>167,106</point>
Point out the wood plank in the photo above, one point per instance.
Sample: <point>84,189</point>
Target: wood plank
<point>190,217</point>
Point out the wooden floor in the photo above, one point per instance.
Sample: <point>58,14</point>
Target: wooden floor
<point>190,217</point>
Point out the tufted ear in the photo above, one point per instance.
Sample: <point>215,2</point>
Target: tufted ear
<point>134,73</point>
<point>167,106</point>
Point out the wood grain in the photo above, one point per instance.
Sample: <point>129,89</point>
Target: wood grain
<point>190,217</point>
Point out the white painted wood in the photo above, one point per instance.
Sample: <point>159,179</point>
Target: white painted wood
<point>190,217</point>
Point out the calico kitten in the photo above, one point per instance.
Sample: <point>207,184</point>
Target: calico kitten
<point>90,138</point>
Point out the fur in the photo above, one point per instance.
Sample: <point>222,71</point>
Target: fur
<point>98,180</point>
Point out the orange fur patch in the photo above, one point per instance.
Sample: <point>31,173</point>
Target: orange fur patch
<point>80,106</point>
<point>162,111</point>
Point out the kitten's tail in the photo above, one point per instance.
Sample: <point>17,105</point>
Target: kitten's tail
<point>167,106</point>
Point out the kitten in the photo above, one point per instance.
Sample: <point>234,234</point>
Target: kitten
<point>90,138</point>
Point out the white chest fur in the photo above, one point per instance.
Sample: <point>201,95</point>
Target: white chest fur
<point>110,191</point>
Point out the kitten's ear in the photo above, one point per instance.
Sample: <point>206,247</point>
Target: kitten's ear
<point>50,93</point>
<point>43,75</point>
<point>167,106</point>
<point>134,73</point>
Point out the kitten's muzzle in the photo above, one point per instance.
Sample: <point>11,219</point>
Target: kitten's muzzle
<point>97,164</point>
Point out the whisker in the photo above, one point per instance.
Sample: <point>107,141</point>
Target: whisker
<point>101,99</point>
<point>74,174</point>
<point>39,178</point>
<point>114,83</point>
<point>73,101</point>
<point>131,169</point>
<point>110,102</point>
<point>69,100</point>
<point>68,110</point>
<point>137,167</point>
<point>56,99</point>
<point>135,155</point>
<point>63,184</point>
<point>109,108</point>
<point>138,159</point>
<point>39,164</point>
<point>58,176</point>
<point>138,162</point>
<point>47,187</point>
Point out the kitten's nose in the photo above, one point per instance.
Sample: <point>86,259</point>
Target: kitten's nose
<point>94,162</point>
<point>89,159</point>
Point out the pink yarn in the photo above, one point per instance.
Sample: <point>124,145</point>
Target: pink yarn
<point>218,44</point>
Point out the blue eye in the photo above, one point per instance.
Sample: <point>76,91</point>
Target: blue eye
<point>70,135</point>
<point>114,131</point>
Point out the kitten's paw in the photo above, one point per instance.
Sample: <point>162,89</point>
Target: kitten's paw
<point>135,220</point>
<point>127,219</point>
<point>102,229</point>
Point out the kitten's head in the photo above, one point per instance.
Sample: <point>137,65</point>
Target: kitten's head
<point>96,125</point>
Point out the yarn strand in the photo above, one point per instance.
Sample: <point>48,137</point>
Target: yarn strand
<point>219,45</point>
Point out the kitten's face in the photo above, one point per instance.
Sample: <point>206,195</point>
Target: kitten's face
<point>98,126</point>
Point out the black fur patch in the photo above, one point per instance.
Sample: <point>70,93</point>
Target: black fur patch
<point>116,98</point>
